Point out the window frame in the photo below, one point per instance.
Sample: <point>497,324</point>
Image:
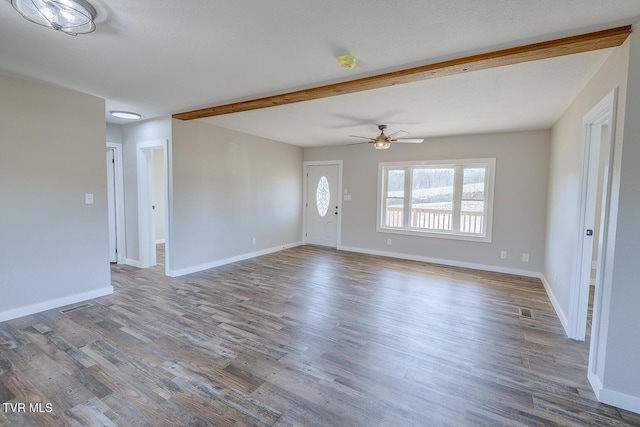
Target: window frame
<point>458,165</point>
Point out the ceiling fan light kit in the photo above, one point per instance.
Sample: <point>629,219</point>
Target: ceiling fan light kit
<point>382,141</point>
<point>381,144</point>
<point>68,16</point>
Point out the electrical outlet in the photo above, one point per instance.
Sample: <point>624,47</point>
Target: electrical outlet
<point>254,240</point>
<point>525,257</point>
<point>503,254</point>
<point>388,242</point>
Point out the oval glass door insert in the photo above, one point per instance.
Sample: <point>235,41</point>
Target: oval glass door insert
<point>323,196</point>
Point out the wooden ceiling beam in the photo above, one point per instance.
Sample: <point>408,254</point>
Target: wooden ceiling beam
<point>532,52</point>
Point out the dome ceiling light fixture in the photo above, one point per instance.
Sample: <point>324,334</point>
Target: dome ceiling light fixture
<point>71,17</point>
<point>125,115</point>
<point>346,61</point>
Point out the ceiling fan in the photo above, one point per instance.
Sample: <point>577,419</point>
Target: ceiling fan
<point>383,141</point>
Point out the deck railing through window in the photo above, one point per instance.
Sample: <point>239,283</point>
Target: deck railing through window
<point>435,219</point>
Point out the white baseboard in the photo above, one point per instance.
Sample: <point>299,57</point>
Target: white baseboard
<point>556,305</point>
<point>160,241</point>
<point>133,263</point>
<point>614,398</point>
<point>54,303</point>
<point>596,384</point>
<point>218,263</point>
<point>451,263</point>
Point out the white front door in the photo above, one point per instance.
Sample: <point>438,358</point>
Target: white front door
<point>322,205</point>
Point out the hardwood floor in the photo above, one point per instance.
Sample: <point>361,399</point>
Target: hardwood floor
<point>303,337</point>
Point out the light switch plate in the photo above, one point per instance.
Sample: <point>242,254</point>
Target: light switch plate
<point>88,199</point>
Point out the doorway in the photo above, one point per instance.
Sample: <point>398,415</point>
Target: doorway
<point>322,203</point>
<point>115,203</point>
<point>159,204</point>
<point>594,203</point>
<point>152,196</point>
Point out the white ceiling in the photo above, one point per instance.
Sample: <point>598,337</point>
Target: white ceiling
<point>159,57</point>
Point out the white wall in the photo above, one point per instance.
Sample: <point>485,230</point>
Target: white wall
<point>565,175</point>
<point>519,208</point>
<point>53,247</point>
<point>229,187</point>
<point>147,130</point>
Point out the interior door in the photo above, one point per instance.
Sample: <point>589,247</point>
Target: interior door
<point>111,202</point>
<point>322,205</point>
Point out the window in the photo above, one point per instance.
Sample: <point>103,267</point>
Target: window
<point>448,199</point>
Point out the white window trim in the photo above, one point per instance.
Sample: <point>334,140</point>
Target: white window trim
<point>490,163</point>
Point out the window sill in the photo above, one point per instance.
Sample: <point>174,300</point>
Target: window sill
<point>437,234</point>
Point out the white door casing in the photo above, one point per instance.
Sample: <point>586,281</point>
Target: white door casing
<point>115,200</point>
<point>595,145</point>
<point>111,206</point>
<point>322,204</point>
<point>146,229</point>
<point>604,111</point>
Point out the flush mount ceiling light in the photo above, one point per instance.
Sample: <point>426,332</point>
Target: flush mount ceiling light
<point>69,16</point>
<point>347,61</point>
<point>125,115</point>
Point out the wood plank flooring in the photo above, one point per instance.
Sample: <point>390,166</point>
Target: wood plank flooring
<point>303,337</point>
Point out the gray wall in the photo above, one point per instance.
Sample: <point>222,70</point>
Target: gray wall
<point>620,319</point>
<point>52,152</point>
<point>519,206</point>
<point>114,133</point>
<point>227,188</point>
<point>615,371</point>
<point>565,176</point>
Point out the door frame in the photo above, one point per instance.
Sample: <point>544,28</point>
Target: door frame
<point>305,166</point>
<point>579,302</point>
<point>146,230</point>
<point>121,245</point>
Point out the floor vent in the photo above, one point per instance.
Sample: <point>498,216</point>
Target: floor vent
<point>77,307</point>
<point>525,312</point>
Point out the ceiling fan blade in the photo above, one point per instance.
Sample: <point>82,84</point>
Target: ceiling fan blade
<point>358,143</point>
<point>398,134</point>
<point>408,140</point>
<point>363,137</point>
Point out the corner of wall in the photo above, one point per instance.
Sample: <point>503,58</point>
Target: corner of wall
<point>564,320</point>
